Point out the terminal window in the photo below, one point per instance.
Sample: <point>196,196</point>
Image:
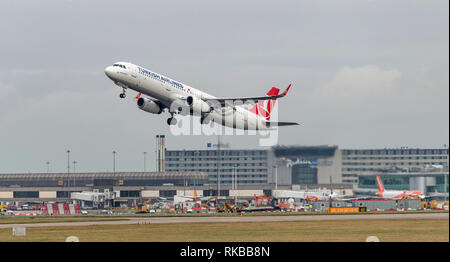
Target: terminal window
<point>130,193</point>
<point>304,175</point>
<point>26,194</point>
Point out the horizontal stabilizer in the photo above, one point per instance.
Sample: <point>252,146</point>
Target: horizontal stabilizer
<point>269,124</point>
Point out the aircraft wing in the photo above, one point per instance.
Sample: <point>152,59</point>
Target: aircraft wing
<point>361,198</point>
<point>230,101</point>
<point>269,124</point>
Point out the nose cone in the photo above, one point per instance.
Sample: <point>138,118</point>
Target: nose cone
<point>109,71</point>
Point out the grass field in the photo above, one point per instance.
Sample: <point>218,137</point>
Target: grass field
<point>55,219</point>
<point>30,220</point>
<point>339,230</point>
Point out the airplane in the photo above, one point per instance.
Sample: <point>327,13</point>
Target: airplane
<point>396,194</point>
<point>161,93</point>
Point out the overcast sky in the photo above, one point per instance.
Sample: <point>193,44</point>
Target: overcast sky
<point>365,74</point>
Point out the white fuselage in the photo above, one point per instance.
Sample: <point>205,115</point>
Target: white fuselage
<point>167,91</point>
<point>397,194</point>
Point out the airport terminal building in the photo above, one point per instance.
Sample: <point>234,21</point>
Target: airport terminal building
<point>246,172</point>
<point>361,161</point>
<point>429,181</point>
<point>278,166</point>
<point>246,167</point>
<point>123,188</point>
<point>124,185</point>
<point>312,166</point>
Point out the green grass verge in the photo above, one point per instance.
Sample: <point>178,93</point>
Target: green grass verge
<point>30,220</point>
<point>398,230</point>
<point>288,214</point>
<point>54,219</point>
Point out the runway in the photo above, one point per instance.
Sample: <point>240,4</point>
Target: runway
<point>168,220</point>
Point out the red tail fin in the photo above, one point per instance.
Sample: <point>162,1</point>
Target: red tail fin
<point>264,108</point>
<point>380,185</point>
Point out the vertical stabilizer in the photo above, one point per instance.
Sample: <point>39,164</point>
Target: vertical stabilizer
<point>380,185</point>
<point>264,107</point>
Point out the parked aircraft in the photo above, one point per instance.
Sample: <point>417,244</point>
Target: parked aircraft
<point>396,194</point>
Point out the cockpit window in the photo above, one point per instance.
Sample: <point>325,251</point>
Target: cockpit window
<point>119,65</point>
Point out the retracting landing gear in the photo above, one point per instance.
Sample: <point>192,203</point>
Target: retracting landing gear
<point>171,120</point>
<point>204,120</point>
<point>123,95</point>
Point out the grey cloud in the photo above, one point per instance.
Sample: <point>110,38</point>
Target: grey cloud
<point>53,54</point>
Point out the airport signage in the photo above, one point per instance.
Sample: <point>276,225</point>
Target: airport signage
<point>336,210</point>
<point>227,145</point>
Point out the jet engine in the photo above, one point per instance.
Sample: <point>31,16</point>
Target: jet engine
<point>198,105</point>
<point>148,105</point>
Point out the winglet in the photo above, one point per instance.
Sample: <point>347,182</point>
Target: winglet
<point>287,89</point>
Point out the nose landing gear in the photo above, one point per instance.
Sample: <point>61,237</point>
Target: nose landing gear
<point>123,95</point>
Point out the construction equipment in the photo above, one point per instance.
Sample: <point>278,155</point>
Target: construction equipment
<point>263,200</point>
<point>261,203</point>
<point>424,205</point>
<point>308,198</point>
<point>3,207</point>
<point>284,206</point>
<point>221,207</point>
<point>437,204</point>
<point>400,202</point>
<point>226,206</point>
<point>143,207</point>
<point>207,204</point>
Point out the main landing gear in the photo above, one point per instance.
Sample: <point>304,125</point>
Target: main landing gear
<point>171,121</point>
<point>204,120</point>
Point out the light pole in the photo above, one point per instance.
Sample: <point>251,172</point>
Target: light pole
<point>114,162</point>
<point>48,166</point>
<point>232,179</point>
<point>68,165</point>
<point>68,161</point>
<point>145,153</point>
<point>218,165</point>
<point>74,163</point>
<point>276,176</point>
<point>196,164</point>
<point>234,186</point>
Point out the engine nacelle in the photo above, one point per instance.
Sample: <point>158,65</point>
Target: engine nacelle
<point>148,105</point>
<point>198,105</point>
